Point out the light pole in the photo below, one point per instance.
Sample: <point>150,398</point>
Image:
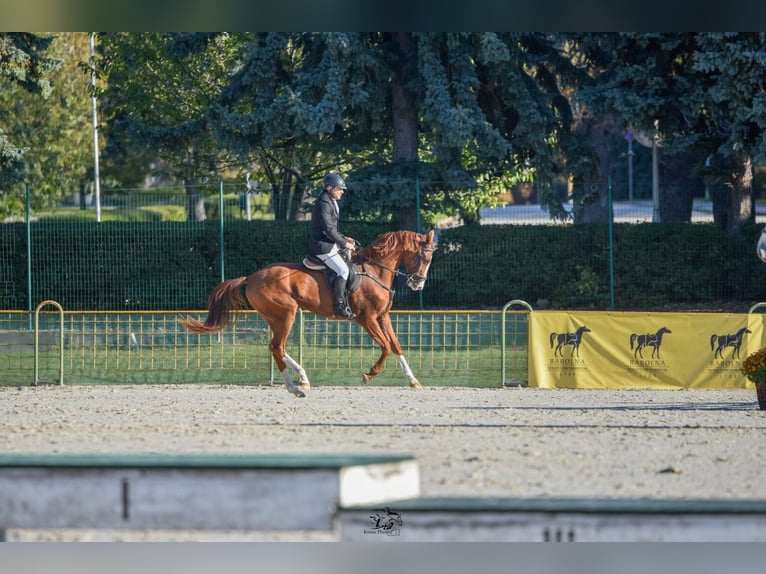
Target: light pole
<point>655,182</point>
<point>96,176</point>
<point>652,141</point>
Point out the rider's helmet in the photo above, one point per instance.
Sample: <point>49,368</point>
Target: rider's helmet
<point>334,180</point>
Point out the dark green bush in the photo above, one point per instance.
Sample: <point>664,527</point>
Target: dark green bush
<point>174,265</point>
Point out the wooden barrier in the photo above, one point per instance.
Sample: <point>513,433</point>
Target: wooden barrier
<point>278,492</point>
<point>555,520</point>
<point>352,497</point>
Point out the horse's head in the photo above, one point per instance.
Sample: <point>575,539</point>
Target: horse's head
<point>417,266</point>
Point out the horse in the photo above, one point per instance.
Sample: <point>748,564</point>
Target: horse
<point>573,339</point>
<point>649,340</point>
<point>723,341</point>
<point>277,291</point>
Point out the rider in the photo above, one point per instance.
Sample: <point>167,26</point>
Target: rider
<point>326,242</point>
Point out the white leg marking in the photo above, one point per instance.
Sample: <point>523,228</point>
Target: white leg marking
<point>405,367</point>
<point>290,385</point>
<point>303,379</point>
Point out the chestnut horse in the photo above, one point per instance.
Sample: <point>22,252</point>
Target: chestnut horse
<point>277,292</point>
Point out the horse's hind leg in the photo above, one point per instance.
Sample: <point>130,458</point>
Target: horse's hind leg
<point>280,328</point>
<point>303,378</point>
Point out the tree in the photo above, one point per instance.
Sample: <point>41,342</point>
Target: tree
<point>733,66</point>
<point>257,119</point>
<point>455,111</point>
<point>25,68</point>
<point>644,83</point>
<point>701,93</point>
<point>159,91</point>
<point>56,129</point>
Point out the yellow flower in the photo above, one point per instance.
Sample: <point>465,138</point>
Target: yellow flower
<point>754,367</point>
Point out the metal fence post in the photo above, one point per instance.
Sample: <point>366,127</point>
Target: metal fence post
<point>37,340</point>
<point>502,336</point>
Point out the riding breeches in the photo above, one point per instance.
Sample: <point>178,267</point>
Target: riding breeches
<point>334,260</point>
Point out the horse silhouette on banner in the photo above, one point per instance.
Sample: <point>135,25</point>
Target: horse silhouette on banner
<point>720,342</point>
<point>572,339</point>
<point>653,340</point>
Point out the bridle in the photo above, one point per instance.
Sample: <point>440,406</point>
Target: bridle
<point>417,259</point>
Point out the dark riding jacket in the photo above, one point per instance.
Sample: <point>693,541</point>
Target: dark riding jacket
<point>323,232</point>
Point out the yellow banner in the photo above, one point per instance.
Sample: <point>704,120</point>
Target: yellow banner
<point>611,350</point>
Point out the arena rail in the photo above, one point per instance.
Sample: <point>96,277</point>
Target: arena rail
<point>451,347</point>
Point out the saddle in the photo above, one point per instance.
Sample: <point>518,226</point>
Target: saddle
<point>315,264</point>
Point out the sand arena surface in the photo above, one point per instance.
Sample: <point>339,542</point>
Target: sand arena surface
<point>700,444</point>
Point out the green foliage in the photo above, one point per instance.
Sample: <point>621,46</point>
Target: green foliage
<point>25,69</point>
<point>291,106</point>
<point>158,89</point>
<point>699,93</point>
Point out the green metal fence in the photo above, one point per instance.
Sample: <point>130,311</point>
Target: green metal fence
<point>459,348</point>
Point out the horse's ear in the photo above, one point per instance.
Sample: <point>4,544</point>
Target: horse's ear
<point>430,236</point>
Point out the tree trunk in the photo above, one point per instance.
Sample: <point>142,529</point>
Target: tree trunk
<point>83,193</point>
<point>677,188</point>
<point>405,130</point>
<point>287,197</point>
<point>195,202</point>
<point>741,195</point>
<point>732,193</point>
<point>591,196</point>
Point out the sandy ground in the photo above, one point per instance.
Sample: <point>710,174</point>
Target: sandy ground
<point>699,444</point>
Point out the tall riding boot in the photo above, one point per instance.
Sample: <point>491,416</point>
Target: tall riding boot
<point>339,293</point>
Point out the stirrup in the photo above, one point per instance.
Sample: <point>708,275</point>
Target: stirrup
<point>343,312</point>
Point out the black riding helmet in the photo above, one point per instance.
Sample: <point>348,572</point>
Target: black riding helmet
<point>334,180</point>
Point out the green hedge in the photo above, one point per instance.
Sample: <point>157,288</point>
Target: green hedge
<point>569,266</point>
<point>174,265</point>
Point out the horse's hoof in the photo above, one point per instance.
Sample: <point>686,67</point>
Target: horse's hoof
<point>415,385</point>
<point>366,378</point>
<point>304,385</point>
<point>299,394</point>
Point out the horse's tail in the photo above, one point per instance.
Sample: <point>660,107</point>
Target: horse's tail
<point>553,336</point>
<point>713,339</point>
<point>633,339</point>
<point>226,298</point>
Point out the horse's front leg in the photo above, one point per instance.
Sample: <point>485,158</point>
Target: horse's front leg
<point>396,349</point>
<point>383,334</point>
<point>414,383</point>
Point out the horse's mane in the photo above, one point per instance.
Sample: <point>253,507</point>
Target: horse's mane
<point>385,243</point>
